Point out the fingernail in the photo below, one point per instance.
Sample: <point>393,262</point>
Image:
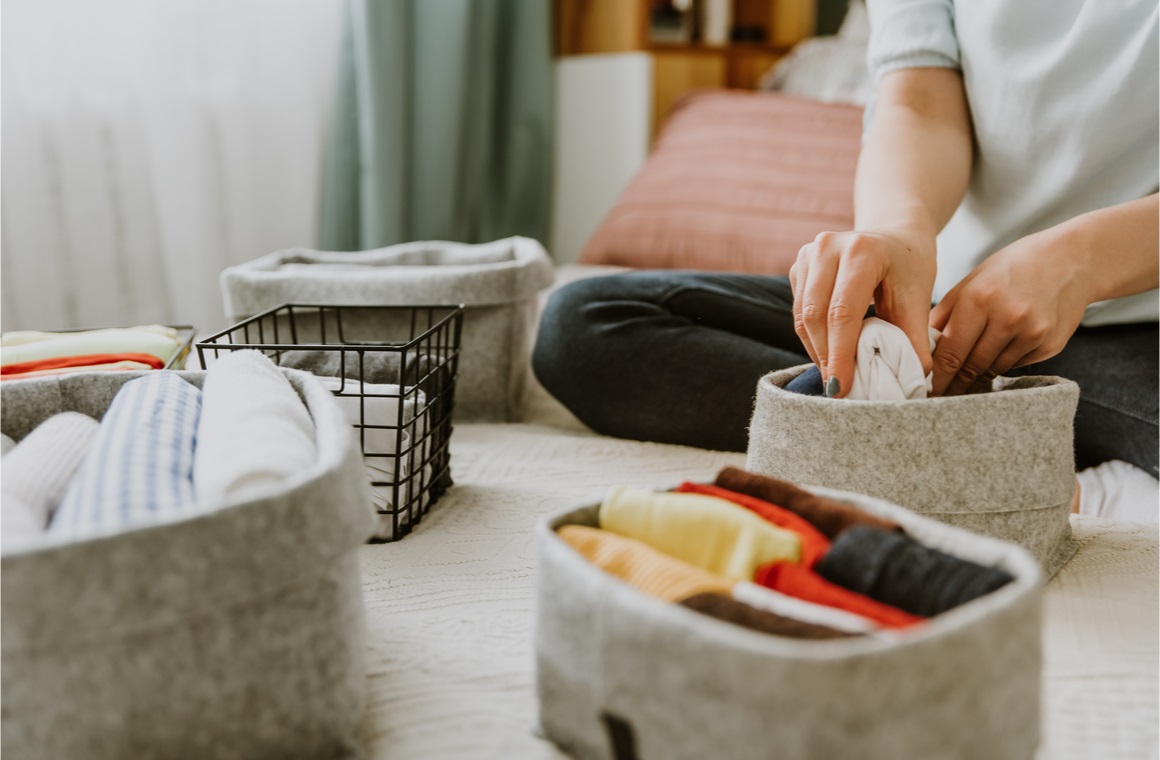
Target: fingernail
<point>833,387</point>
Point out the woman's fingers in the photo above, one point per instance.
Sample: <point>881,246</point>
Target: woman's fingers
<point>1011,356</point>
<point>817,291</point>
<point>982,363</point>
<point>797,278</point>
<point>853,292</point>
<point>959,336</point>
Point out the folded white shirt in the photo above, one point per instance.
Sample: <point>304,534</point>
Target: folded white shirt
<point>887,367</point>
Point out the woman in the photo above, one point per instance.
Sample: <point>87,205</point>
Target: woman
<point>1008,174</point>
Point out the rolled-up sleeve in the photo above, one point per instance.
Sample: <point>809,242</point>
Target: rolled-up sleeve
<point>908,34</point>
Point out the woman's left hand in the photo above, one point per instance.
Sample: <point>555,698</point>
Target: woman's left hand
<point>1018,307</point>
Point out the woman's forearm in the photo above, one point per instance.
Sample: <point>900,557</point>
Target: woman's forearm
<point>916,161</point>
<point>1116,250</point>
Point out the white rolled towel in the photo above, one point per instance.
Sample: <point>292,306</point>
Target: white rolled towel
<point>377,405</point>
<point>37,472</point>
<point>386,450</point>
<point>807,612</point>
<point>887,367</point>
<point>254,429</point>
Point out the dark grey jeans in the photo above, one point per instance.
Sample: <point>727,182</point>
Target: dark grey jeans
<point>675,357</point>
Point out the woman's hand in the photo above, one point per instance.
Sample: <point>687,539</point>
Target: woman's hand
<point>1018,307</point>
<point>837,277</point>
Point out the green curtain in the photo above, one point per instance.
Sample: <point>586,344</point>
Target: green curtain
<point>442,125</point>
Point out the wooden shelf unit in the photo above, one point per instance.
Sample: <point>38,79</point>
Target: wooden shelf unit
<point>585,27</point>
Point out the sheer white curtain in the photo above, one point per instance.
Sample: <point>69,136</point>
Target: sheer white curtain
<point>148,144</point>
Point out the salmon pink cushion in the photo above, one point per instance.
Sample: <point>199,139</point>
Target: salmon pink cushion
<point>737,181</point>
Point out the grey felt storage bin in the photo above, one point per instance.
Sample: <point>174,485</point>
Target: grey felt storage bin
<point>497,282</point>
<point>1000,463</point>
<point>232,633</point>
<point>616,667</point>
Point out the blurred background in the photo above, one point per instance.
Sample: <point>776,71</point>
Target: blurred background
<point>148,144</point>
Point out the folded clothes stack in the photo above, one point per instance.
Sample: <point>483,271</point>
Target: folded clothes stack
<point>766,555</point>
<point>164,449</point>
<point>384,396</point>
<point>30,354</point>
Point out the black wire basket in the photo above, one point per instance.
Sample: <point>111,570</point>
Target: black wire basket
<point>392,369</point>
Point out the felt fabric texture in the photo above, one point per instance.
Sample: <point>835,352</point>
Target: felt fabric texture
<point>235,634</point>
<point>379,367</point>
<point>141,466</point>
<point>253,432</point>
<point>999,462</point>
<point>635,562</point>
<point>112,341</point>
<point>685,685</point>
<point>116,366</point>
<point>813,544</point>
<point>828,516</point>
<point>799,609</point>
<point>886,368</point>
<point>724,607</point>
<point>804,583</point>
<point>38,472</point>
<point>496,281</point>
<point>903,573</point>
<point>85,360</point>
<point>708,532</point>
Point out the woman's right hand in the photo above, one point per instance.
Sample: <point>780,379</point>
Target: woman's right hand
<point>837,277</point>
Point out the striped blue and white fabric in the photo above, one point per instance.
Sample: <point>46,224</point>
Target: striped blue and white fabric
<point>141,462</point>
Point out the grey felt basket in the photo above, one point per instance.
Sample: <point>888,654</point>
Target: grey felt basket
<point>1000,463</point>
<point>236,633</point>
<point>624,675</point>
<point>497,282</point>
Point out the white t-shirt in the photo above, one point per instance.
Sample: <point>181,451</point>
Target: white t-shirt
<point>1065,102</point>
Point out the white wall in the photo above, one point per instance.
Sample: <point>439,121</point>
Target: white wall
<point>148,144</point>
<point>603,112</point>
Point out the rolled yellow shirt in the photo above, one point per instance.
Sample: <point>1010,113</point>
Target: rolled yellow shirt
<point>112,341</point>
<point>704,531</point>
<point>642,566</point>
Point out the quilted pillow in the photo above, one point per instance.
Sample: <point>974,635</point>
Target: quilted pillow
<point>737,181</point>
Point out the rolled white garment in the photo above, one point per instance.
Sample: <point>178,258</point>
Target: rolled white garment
<point>807,612</point>
<point>1119,491</point>
<point>254,430</point>
<point>378,405</point>
<point>37,472</point>
<point>887,367</point>
<point>6,444</point>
